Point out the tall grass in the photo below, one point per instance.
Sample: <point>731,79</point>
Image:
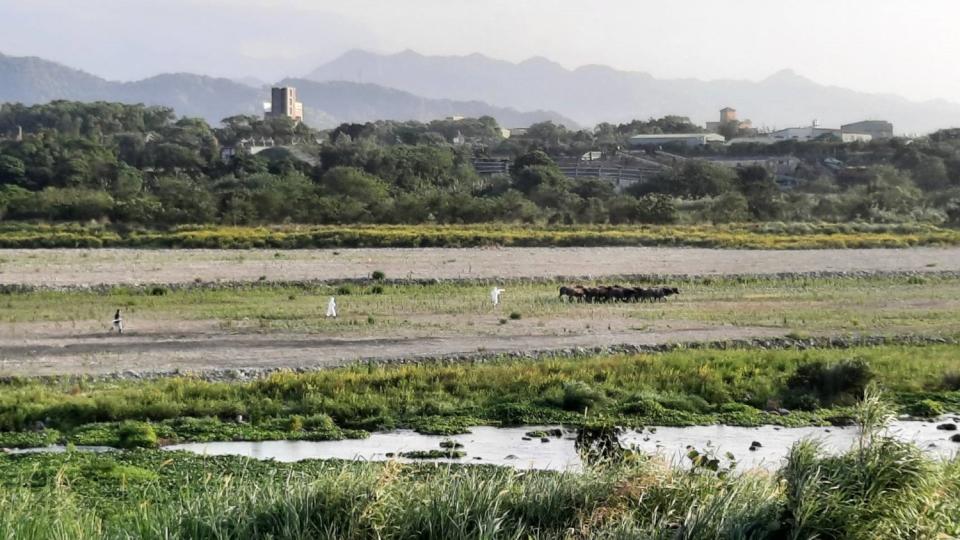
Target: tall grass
<point>883,488</point>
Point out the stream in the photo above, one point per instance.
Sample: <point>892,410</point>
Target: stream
<point>506,446</point>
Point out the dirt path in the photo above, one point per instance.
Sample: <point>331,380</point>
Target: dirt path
<point>65,267</point>
<point>195,351</point>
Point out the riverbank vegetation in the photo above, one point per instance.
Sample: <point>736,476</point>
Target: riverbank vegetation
<point>772,235</point>
<point>682,387</point>
<point>881,488</point>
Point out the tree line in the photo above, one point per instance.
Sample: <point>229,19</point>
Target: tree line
<point>142,165</point>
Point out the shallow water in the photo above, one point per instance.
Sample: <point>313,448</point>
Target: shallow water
<point>505,446</point>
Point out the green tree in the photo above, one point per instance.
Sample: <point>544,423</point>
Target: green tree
<point>930,173</point>
<point>761,192</point>
<point>12,170</point>
<point>729,208</point>
<point>183,200</point>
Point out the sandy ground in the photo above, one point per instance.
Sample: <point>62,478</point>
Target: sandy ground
<point>47,349</point>
<point>65,267</point>
<point>75,347</point>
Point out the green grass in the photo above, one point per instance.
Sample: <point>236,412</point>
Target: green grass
<point>879,489</point>
<point>745,235</point>
<point>682,387</point>
<point>883,305</point>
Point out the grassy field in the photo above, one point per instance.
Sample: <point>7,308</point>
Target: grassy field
<point>682,387</point>
<point>750,235</point>
<point>882,305</point>
<point>881,489</point>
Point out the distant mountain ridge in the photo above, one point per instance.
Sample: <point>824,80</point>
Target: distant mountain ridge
<point>593,93</point>
<point>33,80</point>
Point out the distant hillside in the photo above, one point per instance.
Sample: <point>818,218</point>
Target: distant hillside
<point>593,94</point>
<point>34,80</point>
<point>352,102</point>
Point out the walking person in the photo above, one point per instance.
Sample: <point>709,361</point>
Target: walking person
<point>332,308</point>
<point>117,323</point>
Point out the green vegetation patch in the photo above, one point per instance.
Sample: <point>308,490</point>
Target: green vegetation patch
<point>881,487</point>
<point>683,387</point>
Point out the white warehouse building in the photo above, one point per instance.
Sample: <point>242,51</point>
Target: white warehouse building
<point>688,139</point>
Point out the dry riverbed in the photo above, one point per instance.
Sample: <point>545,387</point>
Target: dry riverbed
<point>73,267</point>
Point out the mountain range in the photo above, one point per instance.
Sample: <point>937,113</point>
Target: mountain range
<point>32,80</point>
<point>361,86</point>
<point>594,93</point>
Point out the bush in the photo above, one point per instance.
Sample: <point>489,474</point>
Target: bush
<point>344,290</point>
<point>734,408</point>
<point>579,396</point>
<point>643,406</point>
<point>378,275</point>
<point>685,402</point>
<point>376,289</point>
<point>133,434</point>
<point>951,381</point>
<point>926,408</point>
<point>319,422</point>
<point>515,315</point>
<point>843,382</point>
<point>158,291</point>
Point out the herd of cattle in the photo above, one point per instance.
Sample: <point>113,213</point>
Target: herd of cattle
<point>616,293</point>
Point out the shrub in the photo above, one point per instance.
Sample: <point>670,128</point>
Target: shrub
<point>295,425</point>
<point>378,275</point>
<point>319,422</point>
<point>685,402</point>
<point>951,381</point>
<point>515,316</point>
<point>734,408</point>
<point>344,290</point>
<point>926,408</point>
<point>643,406</point>
<point>376,289</point>
<point>133,434</point>
<point>578,396</point>
<point>158,291</point>
<point>844,381</point>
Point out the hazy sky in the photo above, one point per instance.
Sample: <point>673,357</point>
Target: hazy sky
<point>908,47</point>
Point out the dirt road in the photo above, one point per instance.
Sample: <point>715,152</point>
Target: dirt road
<point>99,353</point>
<point>65,267</point>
